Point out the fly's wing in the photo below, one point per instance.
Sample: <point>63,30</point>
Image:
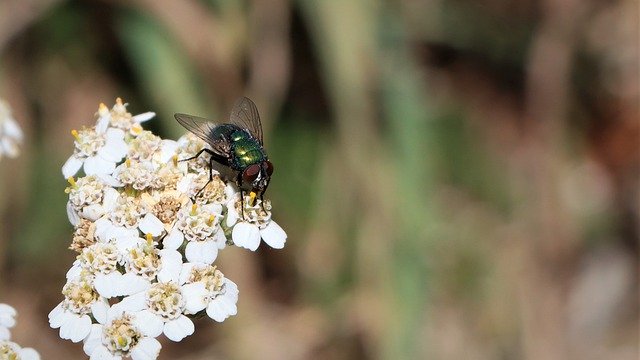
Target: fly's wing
<point>245,115</point>
<point>203,129</point>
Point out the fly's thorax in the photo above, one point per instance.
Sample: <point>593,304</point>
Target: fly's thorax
<point>246,150</point>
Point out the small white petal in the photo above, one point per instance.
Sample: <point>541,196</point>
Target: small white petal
<point>185,272</point>
<point>55,316</point>
<point>126,242</point>
<point>179,328</point>
<point>143,117</point>
<point>29,354</point>
<point>132,303</point>
<point>79,329</point>
<point>184,184</point>
<point>150,224</point>
<point>273,235</point>
<point>97,165</point>
<point>99,310</point>
<point>103,123</point>
<point>110,199</point>
<point>147,349</point>
<point>194,295</point>
<point>132,283</point>
<point>232,215</point>
<point>220,239</point>
<point>92,212</point>
<point>115,148</point>
<point>75,327</point>
<point>5,334</point>
<point>73,216</point>
<point>7,315</point>
<point>149,323</point>
<point>109,180</point>
<point>168,150</point>
<point>246,235</point>
<point>219,310</point>
<point>201,251</point>
<point>174,240</point>
<point>71,166</point>
<point>171,264</point>
<point>75,270</point>
<point>108,285</point>
<point>93,340</point>
<point>102,353</point>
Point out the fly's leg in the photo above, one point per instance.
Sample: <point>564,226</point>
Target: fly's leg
<point>262,201</point>
<point>198,154</point>
<point>208,182</point>
<point>213,157</point>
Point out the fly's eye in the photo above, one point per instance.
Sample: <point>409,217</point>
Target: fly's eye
<point>251,173</point>
<point>269,167</point>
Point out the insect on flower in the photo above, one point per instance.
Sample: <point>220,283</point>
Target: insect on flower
<point>237,145</point>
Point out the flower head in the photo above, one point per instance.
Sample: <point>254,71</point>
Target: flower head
<point>146,243</point>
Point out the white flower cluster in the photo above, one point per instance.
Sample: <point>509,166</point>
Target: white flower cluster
<point>10,132</point>
<point>146,247</point>
<point>8,348</point>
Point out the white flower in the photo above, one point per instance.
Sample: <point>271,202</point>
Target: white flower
<point>207,288</point>
<point>10,350</point>
<point>119,118</point>
<point>73,314</point>
<point>256,224</point>
<point>7,320</point>
<point>215,192</point>
<point>199,226</point>
<point>119,335</point>
<point>10,132</point>
<point>160,310</point>
<point>97,150</point>
<point>90,197</point>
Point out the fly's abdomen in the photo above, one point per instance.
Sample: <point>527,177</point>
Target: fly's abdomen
<point>246,150</point>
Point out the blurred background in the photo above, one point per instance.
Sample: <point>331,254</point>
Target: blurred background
<point>458,178</point>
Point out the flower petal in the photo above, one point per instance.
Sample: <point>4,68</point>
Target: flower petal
<point>5,334</point>
<point>73,216</point>
<point>195,295</point>
<point>76,328</point>
<point>143,117</point>
<point>93,340</point>
<point>201,251</point>
<point>55,317</point>
<point>171,265</point>
<point>115,148</point>
<point>99,310</point>
<point>28,354</point>
<point>132,283</point>
<point>147,349</point>
<point>174,240</point>
<point>219,310</point>
<point>150,224</point>
<point>97,165</point>
<point>273,235</point>
<point>179,328</point>
<point>71,166</point>
<point>149,323</point>
<point>246,235</point>
<point>132,303</point>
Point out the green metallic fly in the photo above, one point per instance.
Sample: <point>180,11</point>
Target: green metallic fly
<point>237,145</point>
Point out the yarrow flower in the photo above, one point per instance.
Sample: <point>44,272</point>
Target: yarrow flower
<point>148,229</point>
<point>10,349</point>
<point>10,133</point>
